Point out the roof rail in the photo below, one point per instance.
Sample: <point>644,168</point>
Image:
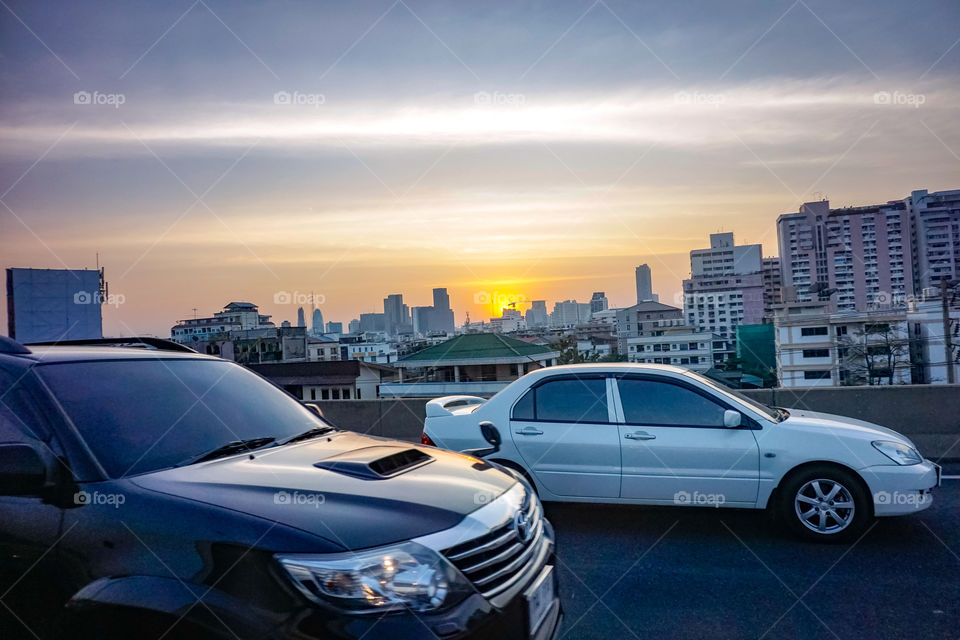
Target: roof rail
<point>158,344</point>
<point>9,345</point>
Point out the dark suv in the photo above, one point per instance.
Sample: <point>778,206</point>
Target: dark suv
<point>150,492</point>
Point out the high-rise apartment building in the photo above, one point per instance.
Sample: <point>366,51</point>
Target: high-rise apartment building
<point>935,219</point>
<point>726,287</point>
<point>599,302</point>
<point>396,314</point>
<point>863,254</point>
<point>645,285</point>
<point>442,316</point>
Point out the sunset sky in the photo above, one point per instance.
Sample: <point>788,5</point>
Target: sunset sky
<point>531,149</point>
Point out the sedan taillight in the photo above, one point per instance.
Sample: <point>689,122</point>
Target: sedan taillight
<point>425,440</point>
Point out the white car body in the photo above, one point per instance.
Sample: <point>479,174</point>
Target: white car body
<point>610,459</point>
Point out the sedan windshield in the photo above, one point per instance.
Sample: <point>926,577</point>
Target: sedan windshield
<point>143,415</point>
<point>777,415</point>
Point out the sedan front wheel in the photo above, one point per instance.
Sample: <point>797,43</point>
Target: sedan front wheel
<point>825,504</point>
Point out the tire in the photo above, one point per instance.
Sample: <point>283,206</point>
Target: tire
<point>824,503</point>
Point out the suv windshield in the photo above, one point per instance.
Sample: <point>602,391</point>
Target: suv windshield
<point>143,415</point>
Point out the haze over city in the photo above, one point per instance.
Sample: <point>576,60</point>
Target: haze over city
<point>213,151</point>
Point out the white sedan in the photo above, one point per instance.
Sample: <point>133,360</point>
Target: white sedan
<point>661,435</point>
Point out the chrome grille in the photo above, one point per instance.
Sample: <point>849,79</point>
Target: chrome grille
<point>494,561</point>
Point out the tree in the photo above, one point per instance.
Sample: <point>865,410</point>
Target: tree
<point>874,354</point>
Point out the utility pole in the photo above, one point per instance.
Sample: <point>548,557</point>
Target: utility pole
<point>947,337</point>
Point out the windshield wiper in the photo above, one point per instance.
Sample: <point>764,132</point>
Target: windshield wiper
<point>309,433</point>
<point>230,448</point>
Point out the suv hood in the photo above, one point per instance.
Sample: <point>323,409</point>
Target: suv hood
<point>843,425</point>
<point>332,501</point>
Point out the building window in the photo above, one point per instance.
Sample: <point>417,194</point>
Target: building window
<point>817,375</point>
<point>324,394</point>
<point>813,331</point>
<point>816,353</point>
<point>842,330</point>
<point>346,394</point>
<point>335,394</point>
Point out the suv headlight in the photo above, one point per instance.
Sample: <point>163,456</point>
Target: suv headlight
<point>402,576</point>
<point>898,452</point>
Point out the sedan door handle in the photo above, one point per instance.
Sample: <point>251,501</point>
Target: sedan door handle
<point>639,435</point>
<point>529,431</point>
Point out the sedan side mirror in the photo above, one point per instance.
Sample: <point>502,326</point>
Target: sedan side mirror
<point>732,418</point>
<point>491,434</point>
<point>22,471</point>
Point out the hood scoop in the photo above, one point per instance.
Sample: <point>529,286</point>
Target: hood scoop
<point>375,463</point>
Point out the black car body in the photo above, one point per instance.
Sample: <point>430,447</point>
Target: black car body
<point>123,515</point>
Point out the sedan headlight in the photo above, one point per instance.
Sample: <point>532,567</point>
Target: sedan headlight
<point>402,576</point>
<point>898,452</point>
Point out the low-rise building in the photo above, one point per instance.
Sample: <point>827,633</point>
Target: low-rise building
<point>680,346</point>
<point>470,364</point>
<point>335,380</point>
<point>817,348</point>
<point>645,319</point>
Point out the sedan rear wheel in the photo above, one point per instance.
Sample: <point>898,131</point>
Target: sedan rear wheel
<point>825,504</point>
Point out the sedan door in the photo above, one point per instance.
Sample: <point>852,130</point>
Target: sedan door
<point>676,449</point>
<point>565,430</point>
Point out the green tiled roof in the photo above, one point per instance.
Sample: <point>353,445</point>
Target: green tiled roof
<point>478,346</point>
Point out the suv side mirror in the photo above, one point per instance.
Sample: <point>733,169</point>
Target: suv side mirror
<point>22,471</point>
<point>732,418</point>
<point>314,409</point>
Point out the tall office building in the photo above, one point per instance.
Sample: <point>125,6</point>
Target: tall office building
<point>645,285</point>
<point>317,324</point>
<point>301,318</point>
<point>863,254</point>
<point>441,319</point>
<point>396,315</point>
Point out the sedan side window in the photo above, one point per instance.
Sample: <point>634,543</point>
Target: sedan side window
<point>649,402</point>
<point>572,400</point>
<point>523,410</point>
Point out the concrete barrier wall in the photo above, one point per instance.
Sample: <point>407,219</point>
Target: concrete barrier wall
<point>928,414</point>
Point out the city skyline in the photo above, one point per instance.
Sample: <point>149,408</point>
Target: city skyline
<point>523,149</point>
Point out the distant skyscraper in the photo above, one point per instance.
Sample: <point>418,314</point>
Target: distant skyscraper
<point>334,327</point>
<point>354,326</point>
<point>395,313</point>
<point>441,319</point>
<point>645,286</point>
<point>537,314</point>
<point>599,302</point>
<point>301,318</point>
<point>317,325</point>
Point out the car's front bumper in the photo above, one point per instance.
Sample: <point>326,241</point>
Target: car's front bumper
<point>899,490</point>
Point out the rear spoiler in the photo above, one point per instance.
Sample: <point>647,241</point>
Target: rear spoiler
<point>439,407</point>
